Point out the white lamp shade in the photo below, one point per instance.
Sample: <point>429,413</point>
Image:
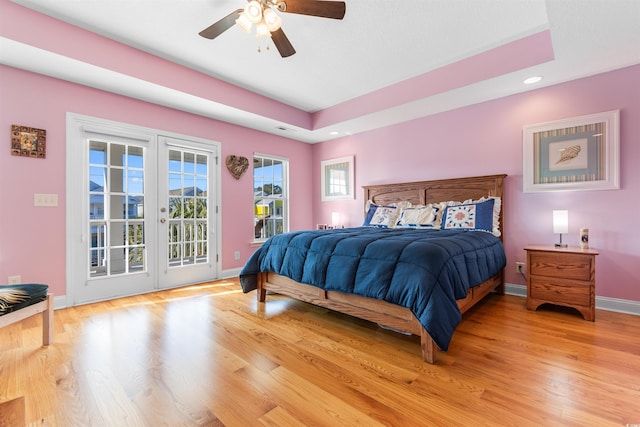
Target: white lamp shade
<point>253,10</point>
<point>244,23</point>
<point>262,30</point>
<point>560,222</point>
<point>335,218</point>
<point>272,19</point>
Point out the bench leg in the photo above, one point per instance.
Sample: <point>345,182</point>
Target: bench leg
<point>47,322</point>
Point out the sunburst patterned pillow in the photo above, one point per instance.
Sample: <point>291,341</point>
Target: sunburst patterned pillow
<point>471,216</point>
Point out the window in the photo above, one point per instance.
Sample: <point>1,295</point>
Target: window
<point>270,196</point>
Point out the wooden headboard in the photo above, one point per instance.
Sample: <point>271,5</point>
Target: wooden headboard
<point>440,190</point>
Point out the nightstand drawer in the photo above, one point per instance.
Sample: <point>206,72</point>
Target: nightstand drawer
<point>569,266</point>
<point>561,291</point>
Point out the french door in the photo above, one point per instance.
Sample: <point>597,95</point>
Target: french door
<point>141,210</point>
<point>185,210</point>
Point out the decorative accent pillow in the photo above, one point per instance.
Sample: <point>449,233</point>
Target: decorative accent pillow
<point>497,206</point>
<point>381,216</point>
<point>469,216</point>
<point>419,216</point>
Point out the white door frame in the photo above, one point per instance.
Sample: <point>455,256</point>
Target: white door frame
<point>78,126</point>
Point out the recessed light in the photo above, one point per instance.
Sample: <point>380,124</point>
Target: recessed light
<point>334,132</point>
<point>532,80</point>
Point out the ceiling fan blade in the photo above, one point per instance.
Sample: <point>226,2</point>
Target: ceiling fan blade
<point>221,26</point>
<point>321,8</point>
<point>282,43</point>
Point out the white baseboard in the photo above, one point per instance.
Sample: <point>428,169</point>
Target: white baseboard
<point>518,290</point>
<point>228,274</point>
<point>59,301</point>
<point>618,305</point>
<point>602,303</point>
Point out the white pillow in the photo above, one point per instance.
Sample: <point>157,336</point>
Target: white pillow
<point>419,216</point>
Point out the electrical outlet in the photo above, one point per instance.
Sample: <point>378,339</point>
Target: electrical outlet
<point>236,255</point>
<point>14,280</point>
<point>520,267</point>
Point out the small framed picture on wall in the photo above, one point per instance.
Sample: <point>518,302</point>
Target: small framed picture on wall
<point>337,178</point>
<point>28,142</point>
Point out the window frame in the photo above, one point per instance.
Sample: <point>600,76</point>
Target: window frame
<point>284,196</point>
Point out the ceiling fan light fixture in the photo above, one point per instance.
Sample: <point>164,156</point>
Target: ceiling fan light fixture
<point>272,19</point>
<point>262,30</point>
<point>266,15</point>
<point>244,23</point>
<point>253,11</point>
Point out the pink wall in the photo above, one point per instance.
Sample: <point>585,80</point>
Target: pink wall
<point>33,238</point>
<point>487,139</point>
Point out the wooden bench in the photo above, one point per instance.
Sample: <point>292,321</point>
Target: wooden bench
<point>18,302</point>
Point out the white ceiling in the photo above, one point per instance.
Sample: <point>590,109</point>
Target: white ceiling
<point>377,44</point>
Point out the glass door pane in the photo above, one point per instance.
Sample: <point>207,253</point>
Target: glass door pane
<point>188,182</point>
<point>116,211</point>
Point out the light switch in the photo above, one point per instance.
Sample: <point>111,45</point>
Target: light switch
<point>49,200</point>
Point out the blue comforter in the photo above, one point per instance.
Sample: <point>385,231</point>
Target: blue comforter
<point>425,271</point>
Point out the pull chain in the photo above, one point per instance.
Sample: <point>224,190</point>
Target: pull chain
<point>266,47</point>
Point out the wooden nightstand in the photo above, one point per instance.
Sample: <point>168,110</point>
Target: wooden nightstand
<point>562,276</point>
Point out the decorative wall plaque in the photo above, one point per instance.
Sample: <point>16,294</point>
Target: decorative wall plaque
<point>237,165</point>
<point>28,142</point>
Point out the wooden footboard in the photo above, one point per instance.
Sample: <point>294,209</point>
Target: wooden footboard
<point>378,311</point>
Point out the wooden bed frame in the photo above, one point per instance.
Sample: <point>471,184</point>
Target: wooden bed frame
<point>382,312</point>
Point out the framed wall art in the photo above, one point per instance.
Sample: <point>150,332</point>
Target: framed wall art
<point>29,142</point>
<point>580,153</point>
<point>337,178</point>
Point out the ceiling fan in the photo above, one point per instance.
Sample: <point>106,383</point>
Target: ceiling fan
<point>268,22</point>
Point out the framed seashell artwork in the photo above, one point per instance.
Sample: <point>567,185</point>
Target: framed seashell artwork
<point>580,153</point>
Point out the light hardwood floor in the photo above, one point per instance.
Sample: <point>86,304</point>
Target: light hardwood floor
<point>209,355</point>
